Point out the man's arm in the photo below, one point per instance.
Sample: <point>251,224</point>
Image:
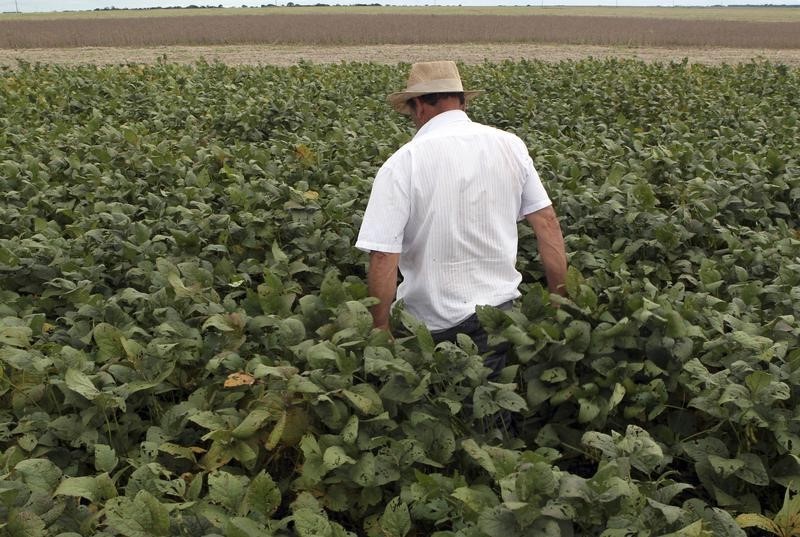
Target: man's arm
<point>382,283</point>
<point>551,247</point>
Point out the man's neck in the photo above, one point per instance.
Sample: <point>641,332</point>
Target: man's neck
<point>439,109</point>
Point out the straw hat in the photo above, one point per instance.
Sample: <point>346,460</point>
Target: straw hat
<point>429,77</point>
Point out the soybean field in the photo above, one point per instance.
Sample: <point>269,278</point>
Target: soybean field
<point>186,347</point>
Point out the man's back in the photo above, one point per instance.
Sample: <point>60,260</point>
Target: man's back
<point>449,201</point>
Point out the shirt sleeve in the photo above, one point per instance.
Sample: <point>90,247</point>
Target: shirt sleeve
<point>534,195</point>
<point>387,211</point>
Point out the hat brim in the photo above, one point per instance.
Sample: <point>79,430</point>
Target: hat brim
<point>399,100</point>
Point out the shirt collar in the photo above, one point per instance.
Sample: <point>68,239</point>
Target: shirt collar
<point>442,120</point>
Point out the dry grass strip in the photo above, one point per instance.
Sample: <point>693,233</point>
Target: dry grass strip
<point>285,55</point>
<point>362,29</point>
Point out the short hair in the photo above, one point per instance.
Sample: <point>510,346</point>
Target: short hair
<point>433,98</point>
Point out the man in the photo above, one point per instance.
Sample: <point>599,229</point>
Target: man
<point>444,209</point>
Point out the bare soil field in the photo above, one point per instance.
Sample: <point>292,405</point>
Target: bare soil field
<point>336,29</point>
<point>284,55</point>
<point>286,35</point>
<point>730,13</point>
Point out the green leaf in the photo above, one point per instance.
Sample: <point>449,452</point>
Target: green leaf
<point>506,398</point>
<point>23,524</point>
<point>758,381</point>
<point>418,329</point>
<point>80,383</point>
<point>492,319</point>
<point>277,432</point>
<point>322,355</point>
<point>8,258</point>
<point>310,523</point>
<point>179,451</point>
<point>221,322</point>
<point>645,454</point>
<point>350,431</point>
<point>278,255</point>
<point>483,402</point>
<point>753,470</point>
<point>573,281</point>
<point>16,336</point>
<point>244,527</point>
<point>195,487</point>
<point>499,521</point>
<point>108,340</point>
<point>181,291</point>
<point>252,423</point>
<point>671,513</point>
<point>695,529</point>
<point>645,195</point>
<point>751,342</point>
<point>331,290</point>
<point>353,314</point>
<point>105,458</point>
<point>363,472</point>
<point>25,360</point>
<point>263,495</point>
<point>402,390</point>
<point>465,342</point>
<point>380,361</point>
<point>477,497</point>
<point>617,396</point>
<point>553,375</point>
<point>578,335</point>
<point>211,421</point>
<point>572,486</point>
<point>602,442</point>
<point>536,480</point>
<point>365,399</point>
<point>227,490</point>
<point>144,516</point>
<point>396,520</point>
<point>479,455</point>
<point>39,474</point>
<point>589,410</point>
<point>725,467</point>
<point>335,456</point>
<point>425,339</point>
<point>716,521</point>
<point>96,489</point>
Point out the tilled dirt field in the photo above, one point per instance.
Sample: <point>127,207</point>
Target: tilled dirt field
<point>469,53</point>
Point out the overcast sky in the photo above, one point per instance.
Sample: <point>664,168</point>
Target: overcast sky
<point>77,5</point>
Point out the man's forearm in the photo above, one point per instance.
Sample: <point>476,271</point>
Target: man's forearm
<point>382,283</point>
<point>554,262</point>
<point>551,248</point>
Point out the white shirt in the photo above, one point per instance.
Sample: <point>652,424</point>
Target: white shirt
<point>448,202</point>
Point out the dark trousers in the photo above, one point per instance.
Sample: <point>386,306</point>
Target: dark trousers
<point>471,327</point>
<point>495,359</point>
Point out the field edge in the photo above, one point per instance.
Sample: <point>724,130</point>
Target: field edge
<point>286,55</point>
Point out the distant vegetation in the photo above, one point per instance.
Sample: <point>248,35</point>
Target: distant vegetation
<point>220,6</point>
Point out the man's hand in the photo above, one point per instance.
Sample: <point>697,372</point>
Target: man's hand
<point>382,283</point>
<point>551,248</point>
